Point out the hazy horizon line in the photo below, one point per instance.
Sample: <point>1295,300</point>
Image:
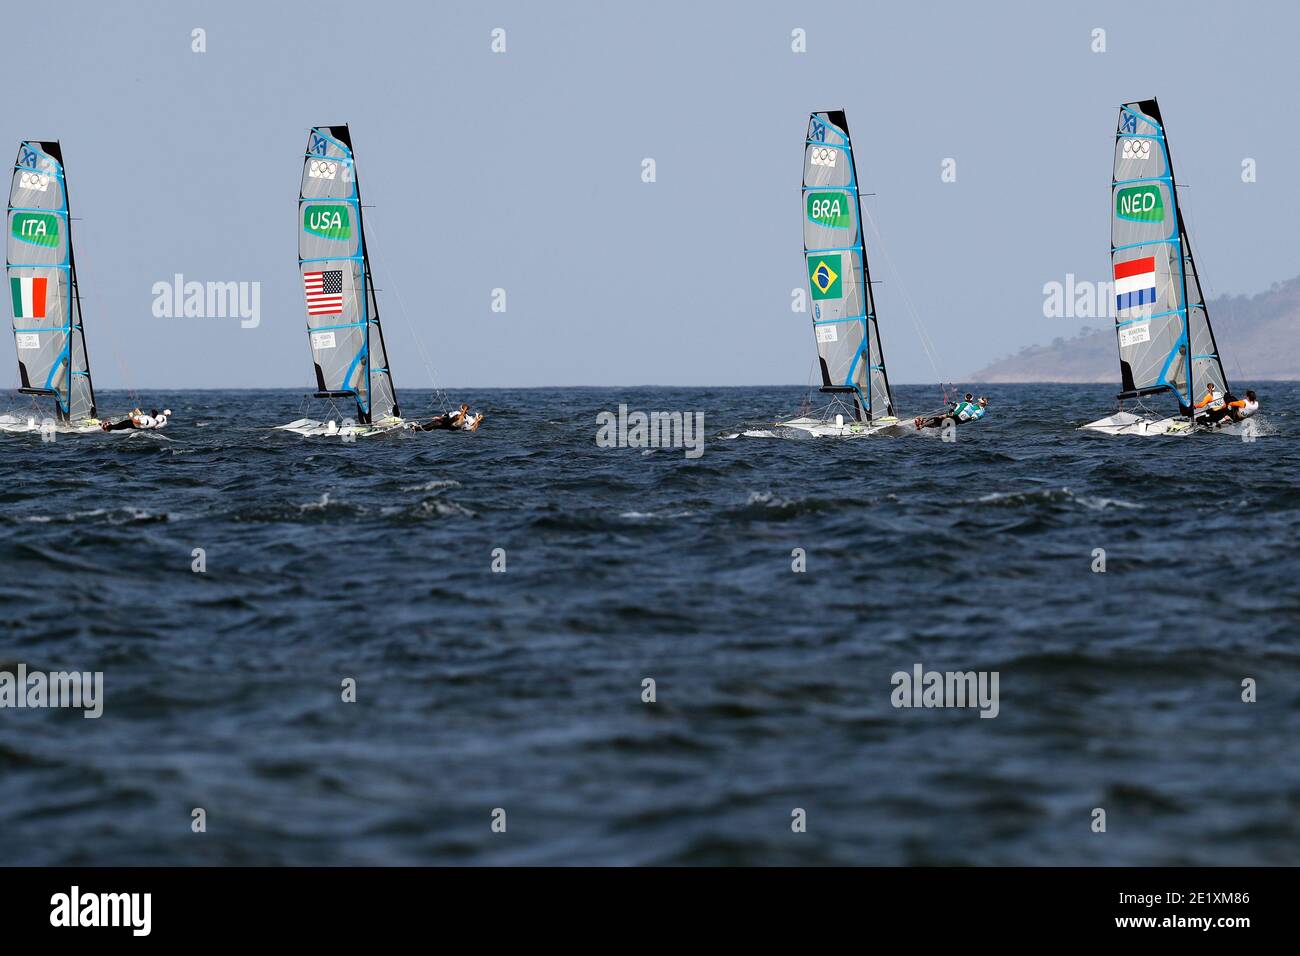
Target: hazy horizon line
<point>539,388</point>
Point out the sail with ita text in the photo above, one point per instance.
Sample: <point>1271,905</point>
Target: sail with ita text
<point>42,277</point>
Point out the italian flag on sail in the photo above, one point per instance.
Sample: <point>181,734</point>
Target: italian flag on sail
<point>29,297</point>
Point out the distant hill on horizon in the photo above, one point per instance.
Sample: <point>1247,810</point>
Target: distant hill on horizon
<point>1258,338</point>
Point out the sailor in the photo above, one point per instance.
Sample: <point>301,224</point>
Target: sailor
<point>1239,409</point>
<point>459,420</point>
<point>967,410</point>
<point>438,422</point>
<point>138,420</point>
<point>934,421</point>
<point>1211,401</point>
<point>128,422</point>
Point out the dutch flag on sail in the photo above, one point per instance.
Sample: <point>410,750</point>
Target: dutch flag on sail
<point>1135,283</point>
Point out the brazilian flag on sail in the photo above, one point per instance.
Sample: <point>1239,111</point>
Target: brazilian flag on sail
<point>824,275</point>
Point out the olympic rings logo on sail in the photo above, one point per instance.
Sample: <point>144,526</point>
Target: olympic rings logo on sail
<point>822,156</point>
<point>1139,149</point>
<point>322,169</point>
<point>33,181</point>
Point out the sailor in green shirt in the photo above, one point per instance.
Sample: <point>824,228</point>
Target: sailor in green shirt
<point>969,409</point>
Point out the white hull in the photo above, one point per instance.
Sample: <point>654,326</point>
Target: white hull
<point>818,428</point>
<point>1126,423</point>
<point>15,425</point>
<point>310,428</point>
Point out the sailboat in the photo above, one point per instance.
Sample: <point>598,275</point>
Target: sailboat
<point>839,282</point>
<point>343,329</point>
<point>42,274</point>
<point>1166,344</point>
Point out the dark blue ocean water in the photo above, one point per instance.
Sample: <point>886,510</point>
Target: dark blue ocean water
<point>522,690</point>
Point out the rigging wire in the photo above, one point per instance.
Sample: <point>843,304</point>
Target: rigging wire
<point>927,345</point>
<point>1185,208</point>
<point>805,405</point>
<point>440,396</point>
<point>97,301</point>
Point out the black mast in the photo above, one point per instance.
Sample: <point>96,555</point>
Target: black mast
<point>1151,108</point>
<point>346,138</point>
<point>54,150</point>
<point>838,118</point>
<point>869,302</point>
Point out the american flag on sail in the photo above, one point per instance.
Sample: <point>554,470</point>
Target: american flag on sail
<point>324,292</point>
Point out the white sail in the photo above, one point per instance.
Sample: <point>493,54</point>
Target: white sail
<point>1161,320</point>
<point>839,280</point>
<point>42,275</point>
<point>1166,343</point>
<point>343,329</point>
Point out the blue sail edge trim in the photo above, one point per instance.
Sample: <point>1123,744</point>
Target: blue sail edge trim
<point>328,328</point>
<point>1148,242</point>
<point>1120,323</point>
<point>1168,181</point>
<point>61,211</point>
<point>822,252</point>
<point>331,259</point>
<point>56,173</point>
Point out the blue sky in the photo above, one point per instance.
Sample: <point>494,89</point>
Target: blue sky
<point>522,171</point>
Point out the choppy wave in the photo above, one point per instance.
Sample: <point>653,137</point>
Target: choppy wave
<point>501,602</point>
<point>435,485</point>
<point>1055,495</point>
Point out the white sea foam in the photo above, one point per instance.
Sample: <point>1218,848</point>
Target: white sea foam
<point>439,507</point>
<point>637,515</point>
<point>319,505</point>
<point>436,485</point>
<point>1091,502</point>
<point>111,515</point>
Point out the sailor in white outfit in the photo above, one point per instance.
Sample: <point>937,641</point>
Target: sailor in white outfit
<point>152,420</point>
<point>1242,409</point>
